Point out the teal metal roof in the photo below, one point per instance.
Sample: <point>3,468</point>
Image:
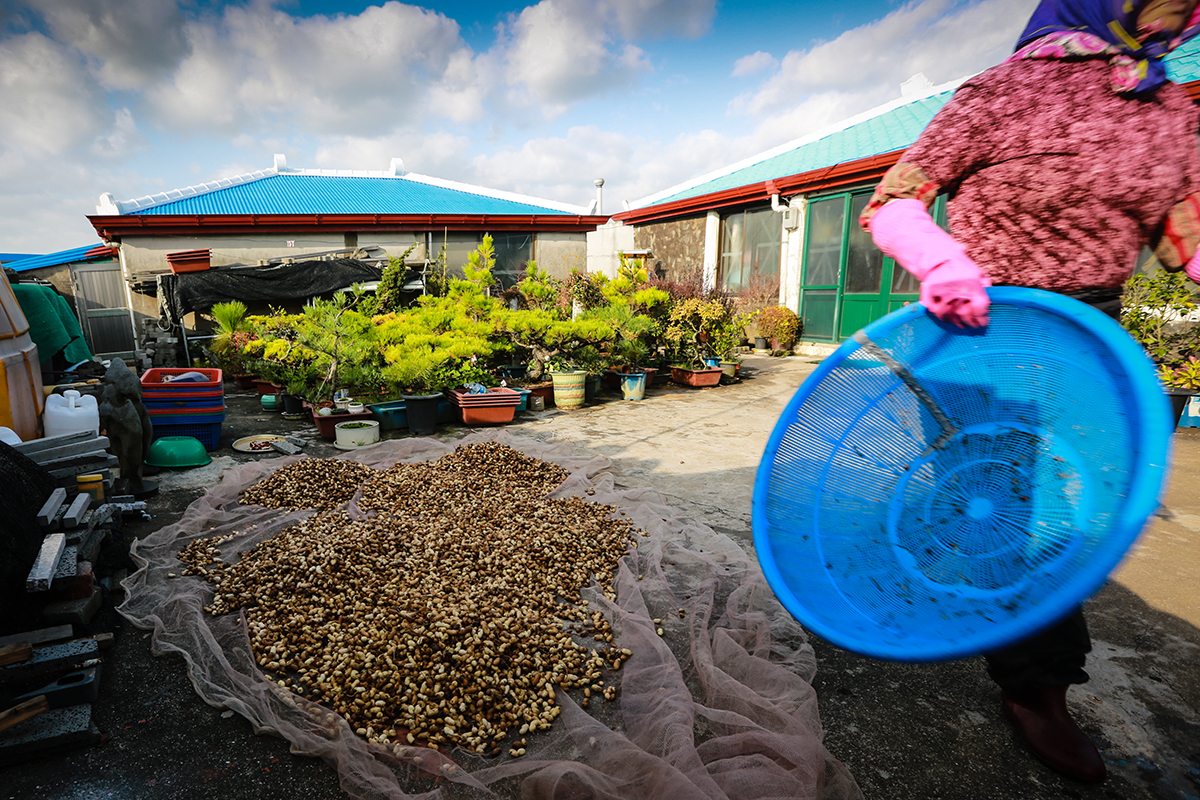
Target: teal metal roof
<point>1183,64</point>
<point>327,194</point>
<point>892,130</point>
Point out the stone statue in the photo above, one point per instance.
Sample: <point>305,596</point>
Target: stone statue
<point>127,424</point>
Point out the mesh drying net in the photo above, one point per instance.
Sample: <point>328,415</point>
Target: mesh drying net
<point>721,706</point>
<point>932,493</point>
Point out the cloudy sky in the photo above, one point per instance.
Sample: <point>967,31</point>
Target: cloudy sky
<point>135,97</point>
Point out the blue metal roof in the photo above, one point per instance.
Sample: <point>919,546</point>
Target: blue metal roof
<point>6,257</point>
<point>892,130</point>
<point>91,252</point>
<point>327,194</point>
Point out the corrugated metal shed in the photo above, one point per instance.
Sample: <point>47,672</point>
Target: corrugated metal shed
<point>92,252</point>
<point>288,193</point>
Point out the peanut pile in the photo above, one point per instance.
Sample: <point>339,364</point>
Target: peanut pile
<point>451,616</point>
<point>308,483</point>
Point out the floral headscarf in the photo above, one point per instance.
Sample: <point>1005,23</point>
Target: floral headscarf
<point>1110,28</point>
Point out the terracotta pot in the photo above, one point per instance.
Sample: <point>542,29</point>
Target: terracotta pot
<point>244,381</point>
<point>266,387</point>
<point>696,377</point>
<point>544,391</point>
<point>325,425</point>
<point>487,415</point>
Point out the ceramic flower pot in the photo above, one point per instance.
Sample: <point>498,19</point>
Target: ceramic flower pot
<point>569,388</point>
<point>633,385</point>
<point>356,433</point>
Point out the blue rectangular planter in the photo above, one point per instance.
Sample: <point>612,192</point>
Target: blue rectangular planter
<point>390,415</point>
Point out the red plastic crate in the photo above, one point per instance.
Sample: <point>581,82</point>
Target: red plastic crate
<point>153,379</point>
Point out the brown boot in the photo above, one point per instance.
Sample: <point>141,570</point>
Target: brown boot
<point>1041,718</point>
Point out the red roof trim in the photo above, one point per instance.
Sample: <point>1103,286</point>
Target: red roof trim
<point>101,251</point>
<point>110,227</point>
<point>836,176</point>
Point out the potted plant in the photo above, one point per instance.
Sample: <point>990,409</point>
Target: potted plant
<point>780,326</point>
<point>357,433</point>
<point>692,328</point>
<point>1182,382</point>
<point>229,343</point>
<point>569,383</point>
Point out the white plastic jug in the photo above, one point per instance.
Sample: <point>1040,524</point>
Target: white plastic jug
<point>70,412</point>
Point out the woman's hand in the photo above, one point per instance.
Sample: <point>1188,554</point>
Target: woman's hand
<point>953,287</point>
<point>1192,268</point>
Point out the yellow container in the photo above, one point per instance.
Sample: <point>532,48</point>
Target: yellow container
<point>93,485</point>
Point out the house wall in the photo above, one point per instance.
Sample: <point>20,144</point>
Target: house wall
<point>604,243</point>
<point>59,276</point>
<point>677,243</point>
<point>559,253</point>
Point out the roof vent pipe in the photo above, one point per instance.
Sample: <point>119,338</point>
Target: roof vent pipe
<point>599,195</point>
<point>280,162</point>
<point>396,167</point>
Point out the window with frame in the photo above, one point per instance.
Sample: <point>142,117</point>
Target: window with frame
<point>513,252</point>
<point>751,242</point>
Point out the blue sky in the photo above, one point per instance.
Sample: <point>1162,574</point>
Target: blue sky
<point>135,97</point>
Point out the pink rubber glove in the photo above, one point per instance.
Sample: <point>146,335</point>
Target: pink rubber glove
<point>1192,268</point>
<point>952,285</point>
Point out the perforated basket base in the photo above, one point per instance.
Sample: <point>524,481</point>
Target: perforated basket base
<point>932,493</point>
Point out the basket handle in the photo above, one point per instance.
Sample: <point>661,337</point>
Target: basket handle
<point>949,430</point>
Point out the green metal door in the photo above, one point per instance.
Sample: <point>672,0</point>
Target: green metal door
<point>847,282</point>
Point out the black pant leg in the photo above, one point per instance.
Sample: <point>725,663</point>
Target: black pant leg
<point>1053,656</point>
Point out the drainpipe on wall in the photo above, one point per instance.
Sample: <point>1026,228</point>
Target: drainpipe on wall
<point>789,267</point>
<point>712,249</point>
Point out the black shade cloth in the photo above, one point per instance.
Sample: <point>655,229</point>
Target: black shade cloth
<point>186,292</point>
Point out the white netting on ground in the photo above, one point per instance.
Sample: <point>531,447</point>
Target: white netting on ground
<point>720,706</point>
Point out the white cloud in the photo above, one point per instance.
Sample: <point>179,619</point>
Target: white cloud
<point>942,38</point>
<point>48,102</point>
<point>122,140</point>
<point>130,41</point>
<point>641,19</point>
<point>260,66</point>
<point>559,53</point>
<point>754,63</point>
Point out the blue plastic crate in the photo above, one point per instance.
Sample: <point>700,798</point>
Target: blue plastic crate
<point>186,419</point>
<point>209,434</point>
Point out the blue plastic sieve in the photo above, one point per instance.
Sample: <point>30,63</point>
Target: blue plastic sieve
<point>933,493</point>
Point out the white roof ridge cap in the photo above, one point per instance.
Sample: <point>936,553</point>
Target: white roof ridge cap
<point>498,194</point>
<point>171,195</point>
<point>797,143</point>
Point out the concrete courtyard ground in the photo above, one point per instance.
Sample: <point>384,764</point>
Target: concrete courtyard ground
<point>903,730</point>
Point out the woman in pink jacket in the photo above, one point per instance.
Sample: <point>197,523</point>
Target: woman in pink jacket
<point>1060,165</point>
